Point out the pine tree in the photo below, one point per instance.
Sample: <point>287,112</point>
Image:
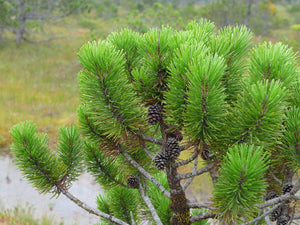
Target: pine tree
<point>148,100</point>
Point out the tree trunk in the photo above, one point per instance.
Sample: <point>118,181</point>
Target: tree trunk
<point>181,212</point>
<point>179,202</point>
<point>248,13</point>
<point>22,20</point>
<point>21,31</point>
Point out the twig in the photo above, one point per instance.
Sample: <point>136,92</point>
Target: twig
<point>277,200</point>
<point>149,139</point>
<point>143,171</point>
<point>202,216</point>
<point>213,175</point>
<point>197,205</point>
<point>189,181</point>
<point>184,162</point>
<point>197,172</point>
<point>148,152</point>
<point>132,218</point>
<point>276,178</point>
<point>267,219</point>
<point>88,208</point>
<point>149,205</point>
<point>263,215</point>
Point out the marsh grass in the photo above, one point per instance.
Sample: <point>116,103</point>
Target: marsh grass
<point>24,216</point>
<point>37,82</point>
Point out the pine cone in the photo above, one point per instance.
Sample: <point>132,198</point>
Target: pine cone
<point>282,220</point>
<point>205,151</point>
<point>160,160</point>
<point>271,195</point>
<point>275,214</point>
<point>154,114</point>
<point>133,181</point>
<point>287,187</point>
<point>172,149</point>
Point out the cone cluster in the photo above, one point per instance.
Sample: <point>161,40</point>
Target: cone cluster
<point>154,114</point>
<point>205,152</point>
<point>133,181</point>
<point>287,187</point>
<point>161,160</point>
<point>283,220</point>
<point>281,214</point>
<point>171,153</point>
<point>172,149</point>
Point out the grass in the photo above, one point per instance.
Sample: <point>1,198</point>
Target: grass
<point>38,82</point>
<point>23,216</point>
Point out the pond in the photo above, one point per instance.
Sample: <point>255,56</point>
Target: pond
<point>16,191</point>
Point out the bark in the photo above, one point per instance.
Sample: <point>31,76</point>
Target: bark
<point>179,205</point>
<point>88,208</point>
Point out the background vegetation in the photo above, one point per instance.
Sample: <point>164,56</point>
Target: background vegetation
<point>39,81</point>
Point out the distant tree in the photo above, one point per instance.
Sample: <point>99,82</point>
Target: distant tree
<point>17,14</point>
<point>148,99</point>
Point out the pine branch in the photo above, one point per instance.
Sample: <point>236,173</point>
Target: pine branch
<point>132,219</point>
<point>189,181</point>
<point>143,171</point>
<point>263,215</point>
<point>267,219</point>
<point>202,216</point>
<point>103,169</point>
<point>196,205</point>
<point>187,161</point>
<point>88,208</point>
<point>197,172</point>
<point>149,139</point>
<point>149,205</point>
<point>277,200</point>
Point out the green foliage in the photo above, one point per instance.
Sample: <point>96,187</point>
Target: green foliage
<point>258,115</point>
<point>291,137</point>
<point>241,182</point>
<point>156,52</point>
<point>108,97</point>
<point>105,170</point>
<point>273,62</point>
<point>69,152</point>
<point>232,43</point>
<point>176,100</point>
<point>120,202</point>
<point>206,99</point>
<point>127,41</point>
<point>36,161</point>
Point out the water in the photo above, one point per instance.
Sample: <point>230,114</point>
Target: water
<point>16,191</point>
